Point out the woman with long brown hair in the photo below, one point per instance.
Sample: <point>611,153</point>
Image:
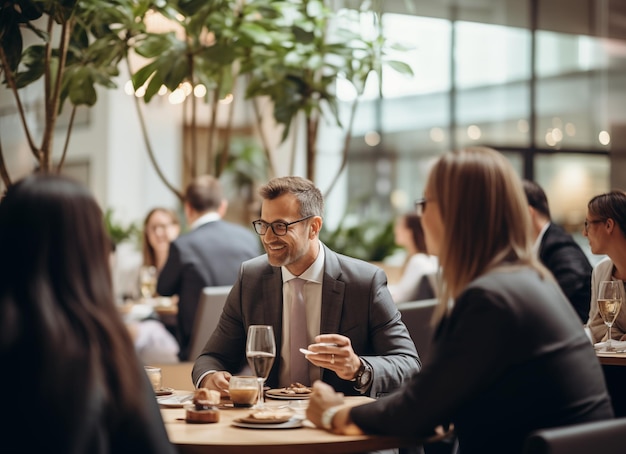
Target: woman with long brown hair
<point>68,363</point>
<point>509,354</point>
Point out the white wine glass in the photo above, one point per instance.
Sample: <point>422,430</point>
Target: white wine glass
<point>148,281</point>
<point>261,352</point>
<point>609,304</point>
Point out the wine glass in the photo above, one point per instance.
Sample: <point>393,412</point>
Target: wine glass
<point>148,281</point>
<point>609,304</point>
<point>261,351</point>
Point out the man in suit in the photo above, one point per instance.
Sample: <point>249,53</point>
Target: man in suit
<point>559,252</point>
<point>367,349</point>
<point>209,255</point>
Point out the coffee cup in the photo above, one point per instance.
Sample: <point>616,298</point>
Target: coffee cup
<point>243,390</point>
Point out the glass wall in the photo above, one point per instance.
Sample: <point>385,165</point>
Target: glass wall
<point>547,98</point>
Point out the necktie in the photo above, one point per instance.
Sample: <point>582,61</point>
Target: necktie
<point>299,366</point>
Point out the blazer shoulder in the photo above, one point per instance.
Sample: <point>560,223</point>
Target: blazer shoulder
<point>339,264</point>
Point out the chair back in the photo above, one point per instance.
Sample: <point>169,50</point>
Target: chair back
<point>605,437</point>
<point>416,315</point>
<point>208,315</point>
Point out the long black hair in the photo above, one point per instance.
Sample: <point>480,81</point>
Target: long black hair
<point>64,350</point>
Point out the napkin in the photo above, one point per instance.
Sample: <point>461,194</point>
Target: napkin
<point>617,345</point>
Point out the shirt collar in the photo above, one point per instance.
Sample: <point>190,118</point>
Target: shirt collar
<point>314,273</point>
<point>540,237</point>
<point>205,219</point>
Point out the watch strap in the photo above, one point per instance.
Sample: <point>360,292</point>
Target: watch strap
<point>328,415</point>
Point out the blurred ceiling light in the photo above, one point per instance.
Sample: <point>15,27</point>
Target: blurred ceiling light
<point>186,87</point>
<point>570,129</point>
<point>372,138</point>
<point>550,139</point>
<point>176,97</point>
<point>128,88</point>
<point>473,132</point>
<point>399,199</point>
<point>604,137</point>
<point>557,135</point>
<point>557,122</point>
<point>437,135</point>
<point>522,126</point>
<point>199,91</point>
<point>140,92</point>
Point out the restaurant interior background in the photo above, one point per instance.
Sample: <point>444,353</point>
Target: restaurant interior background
<point>543,81</point>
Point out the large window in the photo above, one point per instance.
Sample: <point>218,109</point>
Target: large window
<point>548,99</point>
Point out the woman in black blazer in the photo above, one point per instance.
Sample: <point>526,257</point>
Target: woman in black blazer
<point>509,354</point>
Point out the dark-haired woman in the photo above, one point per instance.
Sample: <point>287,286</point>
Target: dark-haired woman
<point>71,381</point>
<point>605,229</point>
<point>418,280</point>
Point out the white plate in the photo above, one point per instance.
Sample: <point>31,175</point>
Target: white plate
<point>175,400</point>
<point>293,423</point>
<point>278,394</point>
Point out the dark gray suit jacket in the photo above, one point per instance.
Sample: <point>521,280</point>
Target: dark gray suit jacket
<point>560,253</point>
<point>355,303</point>
<point>208,256</point>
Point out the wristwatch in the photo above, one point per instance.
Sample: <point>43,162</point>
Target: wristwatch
<point>363,376</point>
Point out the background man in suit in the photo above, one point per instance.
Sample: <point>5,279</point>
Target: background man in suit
<point>347,301</point>
<point>209,255</point>
<point>559,252</point>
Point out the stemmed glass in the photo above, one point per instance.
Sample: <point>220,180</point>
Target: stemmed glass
<point>609,304</point>
<point>261,351</point>
<point>148,281</point>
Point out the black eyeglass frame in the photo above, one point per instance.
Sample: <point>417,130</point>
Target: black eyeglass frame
<point>594,221</point>
<point>420,205</point>
<point>262,225</point>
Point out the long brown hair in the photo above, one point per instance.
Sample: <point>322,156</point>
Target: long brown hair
<point>485,217</point>
<point>63,346</point>
<point>149,256</point>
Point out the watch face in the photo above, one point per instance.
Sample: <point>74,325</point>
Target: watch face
<point>365,377</point>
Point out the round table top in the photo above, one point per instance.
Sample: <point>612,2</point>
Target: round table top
<point>223,437</point>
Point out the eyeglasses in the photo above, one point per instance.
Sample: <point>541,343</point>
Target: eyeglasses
<point>587,222</point>
<point>279,228</point>
<point>156,227</point>
<point>420,205</point>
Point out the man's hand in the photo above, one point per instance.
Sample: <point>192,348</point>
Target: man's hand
<point>217,381</point>
<point>340,358</point>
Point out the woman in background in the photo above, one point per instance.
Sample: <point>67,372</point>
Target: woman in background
<point>605,228</point>
<point>68,362</point>
<point>509,354</point>
<point>160,227</point>
<point>418,280</point>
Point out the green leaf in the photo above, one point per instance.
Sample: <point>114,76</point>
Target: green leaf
<point>400,67</point>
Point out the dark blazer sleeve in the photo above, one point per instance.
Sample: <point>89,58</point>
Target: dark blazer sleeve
<point>169,281</point>
<point>570,267</point>
<point>356,303</point>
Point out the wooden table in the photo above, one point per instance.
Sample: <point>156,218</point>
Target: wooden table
<point>223,438</point>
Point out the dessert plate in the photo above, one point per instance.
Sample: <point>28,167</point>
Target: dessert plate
<point>292,423</point>
<point>164,391</point>
<point>280,394</point>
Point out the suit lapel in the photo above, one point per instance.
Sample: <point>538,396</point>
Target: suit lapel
<point>272,313</point>
<point>332,295</point>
